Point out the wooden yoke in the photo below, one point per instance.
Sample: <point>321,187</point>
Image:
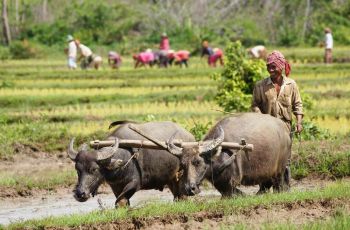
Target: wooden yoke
<point>154,143</point>
<point>96,144</point>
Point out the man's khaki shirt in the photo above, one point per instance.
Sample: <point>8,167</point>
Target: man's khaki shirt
<point>266,100</point>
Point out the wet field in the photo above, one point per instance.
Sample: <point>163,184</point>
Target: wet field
<point>63,202</point>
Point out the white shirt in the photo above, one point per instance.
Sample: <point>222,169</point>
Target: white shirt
<point>329,41</point>
<point>256,51</point>
<point>72,49</point>
<point>85,51</point>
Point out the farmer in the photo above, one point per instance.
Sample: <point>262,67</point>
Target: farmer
<point>328,45</point>
<point>213,54</point>
<point>258,52</point>
<point>144,58</point>
<point>278,95</point>
<point>181,57</point>
<point>71,53</point>
<point>164,42</point>
<point>86,55</point>
<point>114,59</point>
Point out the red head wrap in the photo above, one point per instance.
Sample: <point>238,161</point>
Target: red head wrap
<point>278,59</point>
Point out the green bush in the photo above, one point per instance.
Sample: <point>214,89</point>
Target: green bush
<point>237,80</point>
<point>23,50</point>
<point>4,53</point>
<point>199,130</point>
<point>313,132</point>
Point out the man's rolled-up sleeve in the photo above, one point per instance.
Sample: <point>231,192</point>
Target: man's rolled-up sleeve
<point>256,101</point>
<point>297,104</point>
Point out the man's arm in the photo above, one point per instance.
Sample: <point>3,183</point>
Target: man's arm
<point>297,108</point>
<point>256,101</point>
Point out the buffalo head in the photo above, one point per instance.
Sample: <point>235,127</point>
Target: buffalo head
<point>194,160</point>
<point>89,165</point>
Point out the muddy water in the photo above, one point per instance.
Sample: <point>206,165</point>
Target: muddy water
<point>53,205</point>
<point>60,204</point>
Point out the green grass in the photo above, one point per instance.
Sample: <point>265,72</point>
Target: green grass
<point>231,206</point>
<point>324,158</point>
<point>47,180</point>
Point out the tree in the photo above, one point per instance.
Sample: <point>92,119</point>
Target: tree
<point>237,80</point>
<point>5,23</point>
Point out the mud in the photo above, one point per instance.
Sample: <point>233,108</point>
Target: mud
<point>253,218</point>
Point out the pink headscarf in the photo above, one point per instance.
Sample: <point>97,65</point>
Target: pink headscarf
<point>279,60</point>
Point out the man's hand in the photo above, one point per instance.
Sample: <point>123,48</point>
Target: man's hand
<point>299,128</point>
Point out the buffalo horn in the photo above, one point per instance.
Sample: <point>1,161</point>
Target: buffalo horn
<point>71,152</point>
<point>83,147</point>
<point>107,152</point>
<point>173,148</point>
<point>212,144</point>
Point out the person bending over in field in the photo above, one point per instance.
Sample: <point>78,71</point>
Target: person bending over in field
<point>144,58</point>
<point>181,57</point>
<point>114,59</point>
<point>88,58</point>
<point>214,55</point>
<point>258,52</point>
<point>279,96</point>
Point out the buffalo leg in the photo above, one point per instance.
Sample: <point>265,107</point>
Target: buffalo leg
<point>127,192</point>
<point>122,203</point>
<point>281,184</point>
<point>264,187</point>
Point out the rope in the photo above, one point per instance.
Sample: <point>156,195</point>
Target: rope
<point>132,156</point>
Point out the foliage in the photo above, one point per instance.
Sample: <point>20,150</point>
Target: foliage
<point>4,53</point>
<point>199,129</point>
<point>321,158</point>
<point>312,131</point>
<point>128,24</point>
<point>237,80</point>
<point>23,50</point>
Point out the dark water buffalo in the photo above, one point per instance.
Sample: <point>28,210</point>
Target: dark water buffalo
<point>264,166</point>
<point>150,169</point>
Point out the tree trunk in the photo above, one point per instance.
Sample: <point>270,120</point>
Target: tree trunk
<point>5,22</point>
<point>44,11</point>
<point>306,19</point>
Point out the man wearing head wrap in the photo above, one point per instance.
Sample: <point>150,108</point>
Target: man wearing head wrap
<point>278,95</point>
<point>71,52</point>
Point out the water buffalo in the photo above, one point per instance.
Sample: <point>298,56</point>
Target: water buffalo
<point>149,169</point>
<point>226,169</point>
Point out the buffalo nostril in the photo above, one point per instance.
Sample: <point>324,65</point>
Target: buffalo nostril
<point>80,194</point>
<point>193,186</point>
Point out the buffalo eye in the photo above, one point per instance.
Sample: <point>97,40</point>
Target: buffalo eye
<point>196,162</point>
<point>93,170</point>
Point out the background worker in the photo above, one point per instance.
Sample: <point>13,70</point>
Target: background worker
<point>114,59</point>
<point>258,52</point>
<point>214,55</point>
<point>181,57</point>
<point>328,46</point>
<point>144,58</point>
<point>71,53</point>
<point>86,55</point>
